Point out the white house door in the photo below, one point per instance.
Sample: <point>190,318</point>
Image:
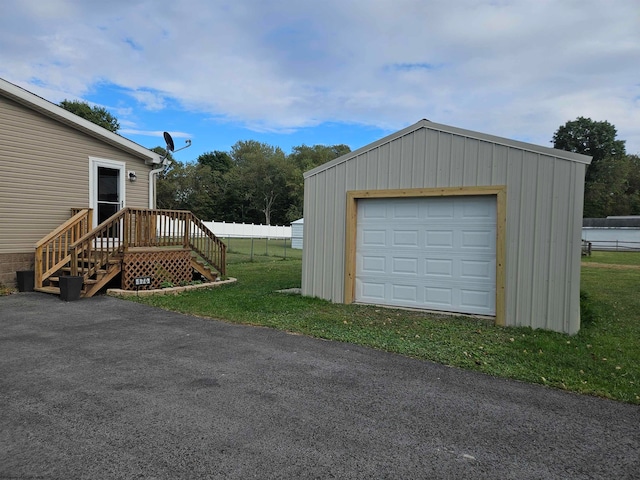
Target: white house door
<point>435,253</point>
<point>107,188</point>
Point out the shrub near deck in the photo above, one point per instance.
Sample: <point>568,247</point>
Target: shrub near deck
<point>602,359</point>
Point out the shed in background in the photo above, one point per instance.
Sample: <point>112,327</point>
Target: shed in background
<point>297,234</point>
<point>440,218</point>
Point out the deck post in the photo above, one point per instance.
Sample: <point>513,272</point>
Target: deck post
<point>187,227</point>
<point>38,268</point>
<point>125,230</point>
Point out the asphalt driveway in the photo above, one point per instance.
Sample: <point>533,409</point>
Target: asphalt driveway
<point>105,388</point>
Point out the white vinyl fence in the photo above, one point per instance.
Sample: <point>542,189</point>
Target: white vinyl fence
<point>619,239</point>
<point>247,230</point>
<point>168,226</point>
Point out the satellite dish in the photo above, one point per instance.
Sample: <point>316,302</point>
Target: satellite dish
<point>169,141</point>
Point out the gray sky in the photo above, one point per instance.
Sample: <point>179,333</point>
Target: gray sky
<point>517,69</point>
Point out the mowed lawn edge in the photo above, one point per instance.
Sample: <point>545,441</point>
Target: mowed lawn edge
<point>603,359</point>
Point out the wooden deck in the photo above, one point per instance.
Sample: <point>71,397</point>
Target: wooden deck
<point>167,245</point>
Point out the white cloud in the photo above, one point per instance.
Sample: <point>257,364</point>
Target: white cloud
<point>512,68</point>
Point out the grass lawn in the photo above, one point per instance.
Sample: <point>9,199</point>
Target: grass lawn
<point>261,247</point>
<point>602,359</point>
<point>613,258</point>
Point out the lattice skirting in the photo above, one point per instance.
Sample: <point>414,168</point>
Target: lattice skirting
<point>163,266</point>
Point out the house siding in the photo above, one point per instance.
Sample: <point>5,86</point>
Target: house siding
<point>543,214</point>
<point>45,173</point>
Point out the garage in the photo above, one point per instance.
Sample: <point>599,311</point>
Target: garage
<point>440,218</point>
<point>436,253</point>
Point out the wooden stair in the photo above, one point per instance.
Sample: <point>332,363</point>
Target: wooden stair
<point>91,285</point>
<point>102,277</point>
<point>48,289</point>
<point>203,269</point>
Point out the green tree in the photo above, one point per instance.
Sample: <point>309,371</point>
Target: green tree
<point>606,177</point>
<point>218,161</point>
<point>220,165</point>
<point>631,200</point>
<point>187,186</point>
<point>262,176</point>
<point>304,158</point>
<point>98,115</point>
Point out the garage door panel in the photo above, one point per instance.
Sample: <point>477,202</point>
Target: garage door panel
<point>440,267</point>
<point>374,238</point>
<point>477,269</point>
<point>430,252</point>
<point>441,208</point>
<point>439,239</point>
<point>477,300</point>
<point>475,210</point>
<point>405,238</point>
<point>371,291</point>
<point>373,264</point>
<point>438,296</point>
<point>404,266</point>
<point>406,210</point>
<point>374,210</point>
<point>404,293</point>
<point>478,239</point>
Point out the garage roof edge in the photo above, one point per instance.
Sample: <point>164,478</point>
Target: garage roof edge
<point>551,152</point>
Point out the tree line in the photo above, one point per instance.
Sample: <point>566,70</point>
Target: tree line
<point>252,183</point>
<point>258,183</point>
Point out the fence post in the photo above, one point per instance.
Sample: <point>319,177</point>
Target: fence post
<point>252,249</point>
<point>266,250</point>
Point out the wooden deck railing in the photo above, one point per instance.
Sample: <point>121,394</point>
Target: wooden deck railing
<point>167,228</point>
<point>53,251</point>
<point>133,227</point>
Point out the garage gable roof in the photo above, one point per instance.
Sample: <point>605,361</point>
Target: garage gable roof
<point>551,152</point>
<point>51,110</point>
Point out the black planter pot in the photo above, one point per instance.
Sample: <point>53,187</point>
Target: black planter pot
<point>70,287</point>
<point>25,280</point>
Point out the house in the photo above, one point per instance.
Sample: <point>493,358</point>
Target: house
<point>297,234</point>
<point>61,178</point>
<point>438,218</point>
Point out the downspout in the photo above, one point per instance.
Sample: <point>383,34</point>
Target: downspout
<point>152,183</point>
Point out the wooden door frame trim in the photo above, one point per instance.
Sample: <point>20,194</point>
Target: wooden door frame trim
<point>94,163</point>
<point>499,191</point>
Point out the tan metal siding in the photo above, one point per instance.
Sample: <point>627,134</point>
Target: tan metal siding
<point>419,164</point>
<point>544,210</point>
<point>45,172</point>
<point>308,233</point>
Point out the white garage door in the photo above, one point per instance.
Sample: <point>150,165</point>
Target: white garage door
<point>436,253</point>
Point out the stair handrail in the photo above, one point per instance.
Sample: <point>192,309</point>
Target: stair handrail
<point>99,245</point>
<point>215,256</point>
<point>53,250</point>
